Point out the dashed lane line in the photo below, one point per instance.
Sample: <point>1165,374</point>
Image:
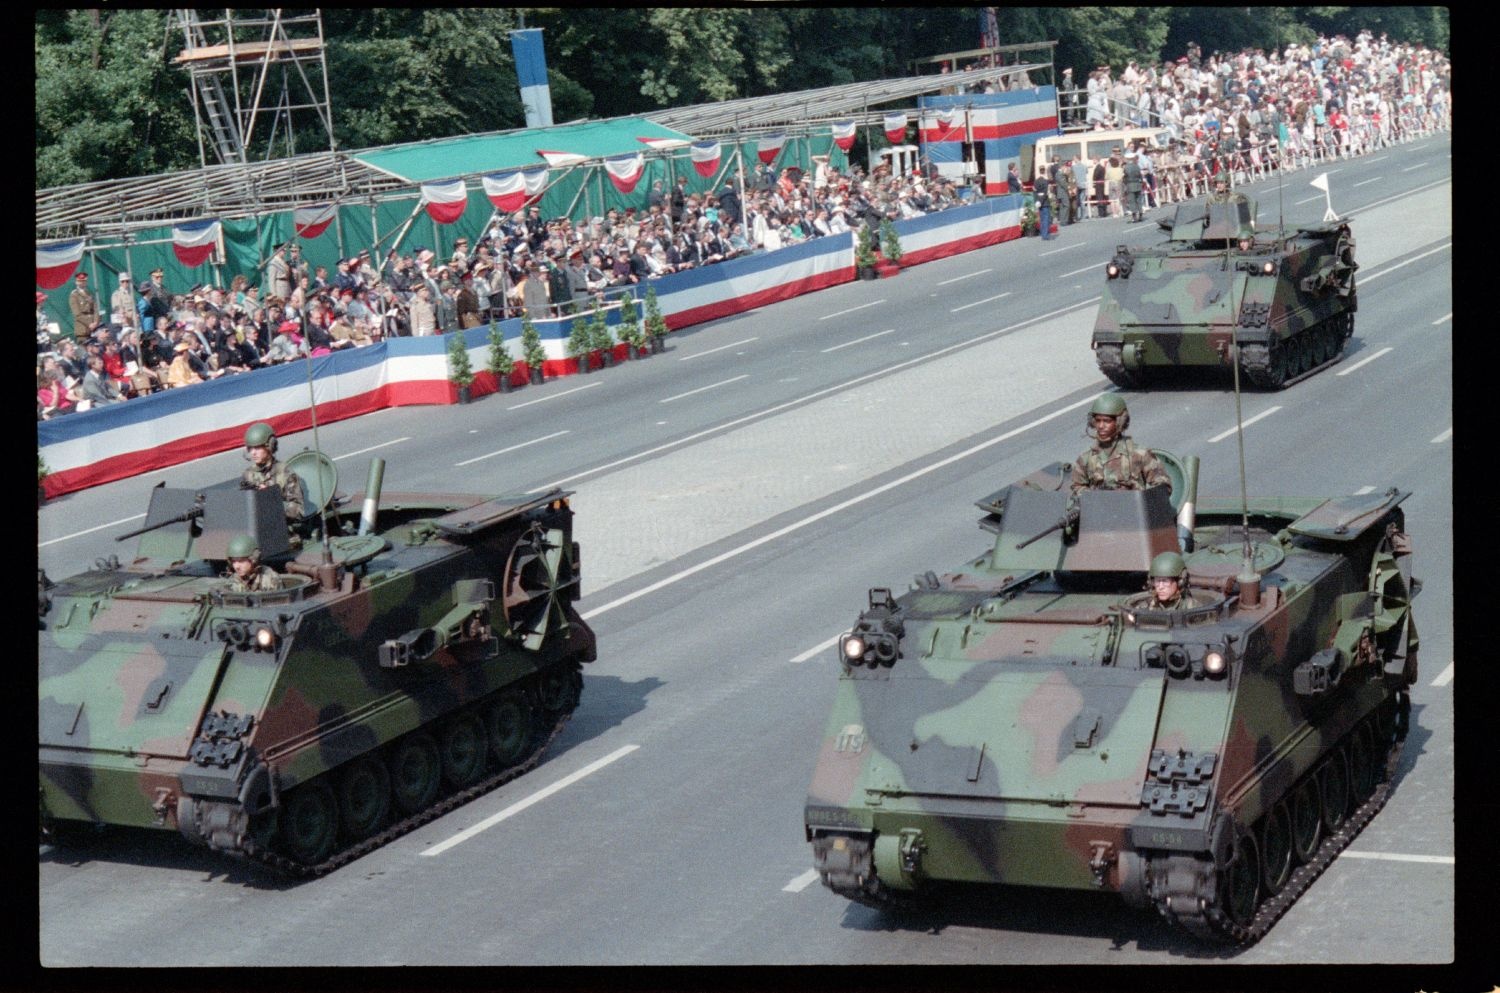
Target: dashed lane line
<point>383,444</point>
<point>857,341</point>
<point>841,313</point>
<point>802,882</point>
<point>512,448</point>
<point>819,648</point>
<point>1086,268</point>
<point>1400,265</point>
<point>976,303</point>
<point>1446,317</point>
<point>1366,182</point>
<point>1065,248</point>
<point>710,351</point>
<point>554,396</point>
<point>1398,857</point>
<point>1226,434</point>
<point>1445,677</point>
<point>967,275</point>
<point>710,386</point>
<point>1363,362</point>
<point>1442,437</point>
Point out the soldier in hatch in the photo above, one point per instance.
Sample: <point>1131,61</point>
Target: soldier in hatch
<point>1222,194</point>
<point>265,471</point>
<point>1115,462</point>
<point>246,574</point>
<point>1168,580</point>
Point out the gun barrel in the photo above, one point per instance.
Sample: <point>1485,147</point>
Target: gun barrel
<point>186,515</point>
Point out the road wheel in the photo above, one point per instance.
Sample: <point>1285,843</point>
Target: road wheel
<point>364,797</point>
<point>1307,820</point>
<point>510,722</point>
<point>462,746</point>
<point>309,823</point>
<point>559,690</point>
<point>1276,848</point>
<point>1239,883</point>
<point>416,772</point>
<point>1333,791</point>
<point>1364,771</point>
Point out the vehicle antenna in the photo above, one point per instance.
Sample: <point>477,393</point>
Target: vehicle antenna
<point>1248,579</point>
<point>312,410</point>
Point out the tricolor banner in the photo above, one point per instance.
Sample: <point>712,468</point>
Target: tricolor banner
<point>625,170</point>
<point>895,127</point>
<point>445,202</point>
<point>558,159</point>
<point>56,261</point>
<point>705,156</point>
<point>509,191</point>
<point>948,121</point>
<point>664,144</point>
<point>194,241</point>
<point>843,134</point>
<point>309,222</point>
<point>769,146</point>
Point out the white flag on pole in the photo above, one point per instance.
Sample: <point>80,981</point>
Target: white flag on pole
<point>1320,183</point>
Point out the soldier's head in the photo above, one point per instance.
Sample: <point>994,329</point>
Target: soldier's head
<point>1221,183</point>
<point>1167,576</point>
<point>1108,418</point>
<point>260,444</point>
<point>243,555</point>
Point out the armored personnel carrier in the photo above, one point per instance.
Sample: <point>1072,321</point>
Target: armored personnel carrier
<point>1031,719</point>
<point>418,650</point>
<point>1288,296</point>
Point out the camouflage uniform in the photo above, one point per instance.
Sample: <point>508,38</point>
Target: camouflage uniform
<point>1228,197</point>
<point>1183,601</point>
<point>262,579</point>
<point>1123,465</point>
<point>285,480</point>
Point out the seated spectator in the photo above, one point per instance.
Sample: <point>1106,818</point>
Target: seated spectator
<point>98,389</point>
<point>181,372</point>
<point>53,398</point>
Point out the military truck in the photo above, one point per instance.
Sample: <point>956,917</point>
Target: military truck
<point>1287,296</point>
<point>418,650</point>
<point>1031,719</point>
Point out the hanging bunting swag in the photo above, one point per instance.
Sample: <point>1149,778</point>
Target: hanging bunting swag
<point>895,128</point>
<point>625,170</point>
<point>194,241</point>
<point>445,201</point>
<point>56,261</point>
<point>705,156</point>
<point>769,146</point>
<point>309,222</point>
<point>510,191</point>
<point>843,134</point>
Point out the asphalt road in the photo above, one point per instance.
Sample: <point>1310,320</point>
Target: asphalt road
<point>736,497</point>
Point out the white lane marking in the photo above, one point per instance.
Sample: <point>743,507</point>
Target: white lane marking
<point>856,341</point>
<point>700,389</point>
<point>872,303</point>
<point>1364,361</point>
<point>827,390</point>
<point>1419,165</point>
<point>1446,317</point>
<point>699,355</point>
<point>820,647</point>
<point>528,403</point>
<point>512,448</point>
<point>976,303</point>
<point>830,511</point>
<point>1366,182</point>
<point>1065,248</point>
<point>1445,677</point>
<point>1363,490</point>
<point>1442,437</point>
<point>521,805</point>
<point>802,882</point>
<point>350,455</point>
<point>1378,158</point>
<point>1398,265</point>
<point>1397,857</point>
<point>1308,200</point>
<point>97,527</point>
<point>1086,268</point>
<point>967,275</point>
<point>1225,434</point>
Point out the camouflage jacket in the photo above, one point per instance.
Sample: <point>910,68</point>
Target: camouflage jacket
<point>1124,465</point>
<point>264,578</point>
<point>285,480</point>
<point>1183,601</point>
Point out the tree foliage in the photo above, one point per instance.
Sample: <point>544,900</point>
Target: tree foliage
<point>110,103</point>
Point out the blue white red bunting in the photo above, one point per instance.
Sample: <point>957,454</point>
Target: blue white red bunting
<point>445,201</point>
<point>558,159</point>
<point>843,134</point>
<point>309,222</point>
<point>625,170</point>
<point>895,127</point>
<point>769,147</point>
<point>56,261</point>
<point>705,156</point>
<point>194,241</point>
<point>510,191</point>
<point>664,144</point>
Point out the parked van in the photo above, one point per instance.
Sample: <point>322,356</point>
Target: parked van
<point>1093,145</point>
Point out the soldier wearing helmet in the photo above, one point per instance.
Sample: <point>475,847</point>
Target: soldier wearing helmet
<point>246,574</point>
<point>1168,579</point>
<point>1115,462</point>
<point>265,471</point>
<point>1222,193</point>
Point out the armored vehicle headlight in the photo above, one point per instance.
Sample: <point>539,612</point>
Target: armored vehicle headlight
<point>1268,267</point>
<point>1215,663</point>
<point>265,639</point>
<point>854,647</point>
<point>1112,270</point>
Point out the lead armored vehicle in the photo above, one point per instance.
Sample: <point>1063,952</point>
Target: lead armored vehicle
<point>1289,296</point>
<point>1032,719</point>
<point>418,649</point>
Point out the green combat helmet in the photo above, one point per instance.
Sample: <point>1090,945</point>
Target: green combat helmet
<point>260,434</point>
<point>1167,565</point>
<point>242,546</point>
<point>1109,405</point>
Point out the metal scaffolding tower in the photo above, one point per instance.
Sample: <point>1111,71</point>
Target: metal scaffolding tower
<point>258,78</point>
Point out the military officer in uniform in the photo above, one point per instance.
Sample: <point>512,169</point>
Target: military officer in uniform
<point>1221,192</point>
<point>1168,580</point>
<point>1134,183</point>
<point>1115,462</point>
<point>84,307</point>
<point>264,471</point>
<point>246,574</point>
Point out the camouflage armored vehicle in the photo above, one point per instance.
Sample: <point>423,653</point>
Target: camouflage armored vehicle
<point>416,651</point>
<point>1289,296</point>
<point>1033,719</point>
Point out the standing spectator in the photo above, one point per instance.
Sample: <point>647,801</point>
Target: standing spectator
<point>278,274</point>
<point>729,206</point>
<point>1012,179</point>
<point>534,300</point>
<point>84,307</point>
<point>1042,188</point>
<point>1132,183</point>
<point>447,308</point>
<point>678,201</point>
<point>467,303</point>
<point>559,286</point>
<point>423,315</point>
<point>122,303</point>
<point>43,324</point>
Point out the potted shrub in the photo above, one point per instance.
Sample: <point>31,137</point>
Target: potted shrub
<point>580,339</point>
<point>656,324</point>
<point>460,373</point>
<point>630,326</point>
<point>501,364</point>
<point>41,479</point>
<point>864,253</point>
<point>600,338</point>
<point>1029,219</point>
<point>532,350</point>
<point>890,248</point>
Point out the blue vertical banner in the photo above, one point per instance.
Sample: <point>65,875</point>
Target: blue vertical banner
<point>531,72</point>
